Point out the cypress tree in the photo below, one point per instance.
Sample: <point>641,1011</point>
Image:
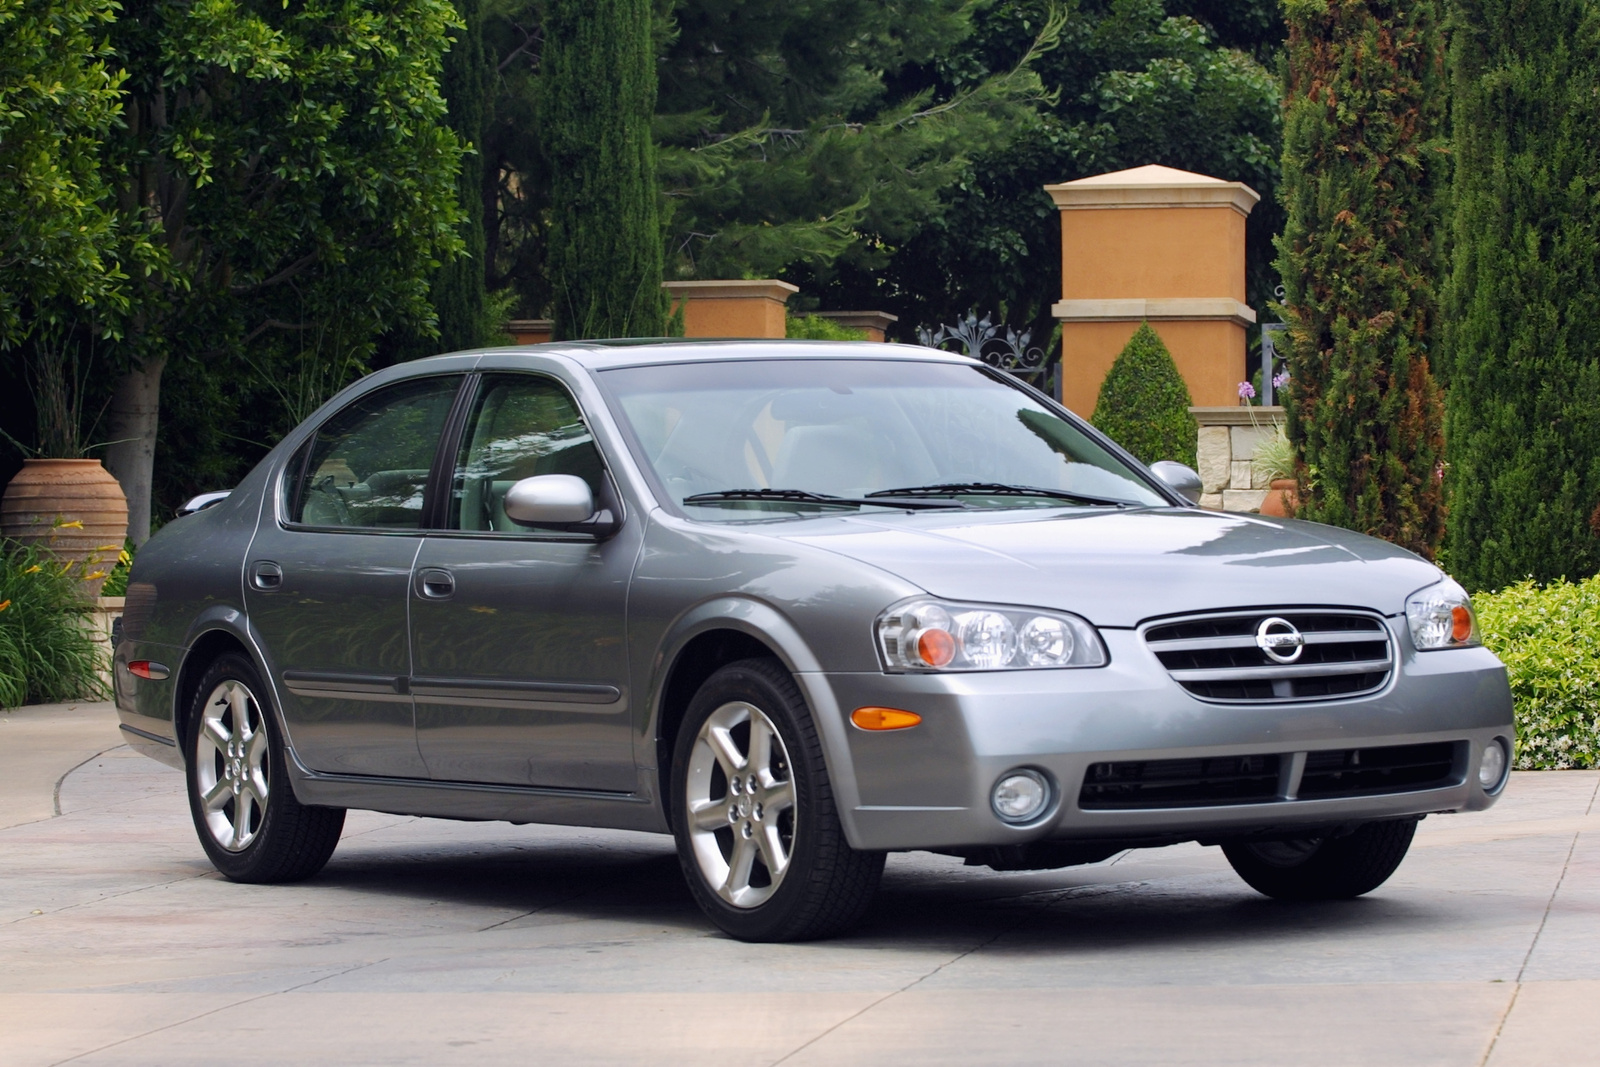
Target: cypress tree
<point>458,287</point>
<point>1362,173</point>
<point>1144,404</point>
<point>1523,301</point>
<point>599,92</point>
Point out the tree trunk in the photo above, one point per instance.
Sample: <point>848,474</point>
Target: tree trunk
<point>135,408</point>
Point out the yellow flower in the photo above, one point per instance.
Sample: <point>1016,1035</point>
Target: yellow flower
<point>32,570</point>
<point>123,558</point>
<point>96,574</point>
<point>75,524</point>
<point>4,604</point>
<point>107,548</point>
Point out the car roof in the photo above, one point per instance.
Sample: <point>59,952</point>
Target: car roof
<point>610,354</point>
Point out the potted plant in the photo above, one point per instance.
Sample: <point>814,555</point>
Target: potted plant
<point>62,500</point>
<point>1273,463</point>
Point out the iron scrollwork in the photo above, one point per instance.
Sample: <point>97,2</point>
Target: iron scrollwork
<point>1009,350</point>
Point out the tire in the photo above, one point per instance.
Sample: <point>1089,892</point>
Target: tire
<point>244,808</point>
<point>1333,868</point>
<point>768,861</point>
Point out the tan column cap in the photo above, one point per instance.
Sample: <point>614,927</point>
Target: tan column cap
<point>1152,186</point>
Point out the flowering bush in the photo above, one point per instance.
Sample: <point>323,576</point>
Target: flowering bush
<point>46,652</point>
<point>1549,639</point>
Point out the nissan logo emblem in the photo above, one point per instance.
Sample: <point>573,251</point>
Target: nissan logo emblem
<point>1280,640</point>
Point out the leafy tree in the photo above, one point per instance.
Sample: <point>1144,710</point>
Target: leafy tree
<point>1523,301</point>
<point>291,165</point>
<point>1144,404</point>
<point>1363,168</point>
<point>58,97</point>
<point>598,95</point>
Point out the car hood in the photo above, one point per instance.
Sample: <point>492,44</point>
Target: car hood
<point>1121,567</point>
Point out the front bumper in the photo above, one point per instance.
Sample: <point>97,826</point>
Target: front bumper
<point>928,787</point>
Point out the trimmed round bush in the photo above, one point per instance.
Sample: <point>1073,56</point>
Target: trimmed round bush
<point>1144,403</point>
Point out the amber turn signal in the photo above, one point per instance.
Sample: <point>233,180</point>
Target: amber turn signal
<point>1460,624</point>
<point>884,718</point>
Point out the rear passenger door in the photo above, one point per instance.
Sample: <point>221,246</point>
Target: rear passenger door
<point>327,575</point>
<point>517,634</point>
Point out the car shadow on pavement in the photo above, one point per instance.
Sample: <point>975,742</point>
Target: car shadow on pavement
<point>1061,912</point>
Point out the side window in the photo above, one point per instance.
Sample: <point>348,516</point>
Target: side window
<point>369,464</point>
<point>521,425</point>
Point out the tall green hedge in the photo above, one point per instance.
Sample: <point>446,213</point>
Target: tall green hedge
<point>1144,404</point>
<point>1524,296</point>
<point>599,95</point>
<point>458,287</point>
<point>1363,166</point>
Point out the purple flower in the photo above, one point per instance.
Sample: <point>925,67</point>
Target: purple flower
<point>1247,391</point>
<point>1280,380</point>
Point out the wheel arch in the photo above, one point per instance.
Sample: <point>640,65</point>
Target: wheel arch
<point>723,631</point>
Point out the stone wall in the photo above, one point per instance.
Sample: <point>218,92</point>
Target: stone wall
<point>1227,444</point>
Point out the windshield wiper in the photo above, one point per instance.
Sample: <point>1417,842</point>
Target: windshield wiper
<point>802,496</point>
<point>996,489</point>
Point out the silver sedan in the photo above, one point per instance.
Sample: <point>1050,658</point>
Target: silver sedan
<point>799,605</point>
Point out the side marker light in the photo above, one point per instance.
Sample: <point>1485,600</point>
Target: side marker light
<point>884,718</point>
<point>145,668</point>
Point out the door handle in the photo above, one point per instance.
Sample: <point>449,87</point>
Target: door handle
<point>436,584</point>
<point>266,575</point>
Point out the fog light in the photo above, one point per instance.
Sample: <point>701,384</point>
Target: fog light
<point>1493,767</point>
<point>1020,795</point>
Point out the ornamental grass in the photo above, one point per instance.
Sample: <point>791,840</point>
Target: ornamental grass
<point>47,653</point>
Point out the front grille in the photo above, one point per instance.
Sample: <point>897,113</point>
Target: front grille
<point>1180,783</point>
<point>1213,781</point>
<point>1216,657</point>
<point>1397,769</point>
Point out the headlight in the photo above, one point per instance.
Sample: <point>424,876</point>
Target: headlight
<point>929,635</point>
<point>1441,616</point>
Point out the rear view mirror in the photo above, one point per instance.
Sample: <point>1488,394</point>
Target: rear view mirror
<point>1179,478</point>
<point>549,500</point>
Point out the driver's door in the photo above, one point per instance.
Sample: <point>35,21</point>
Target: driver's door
<point>517,635</point>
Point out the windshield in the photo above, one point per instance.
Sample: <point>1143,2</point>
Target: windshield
<point>848,428</point>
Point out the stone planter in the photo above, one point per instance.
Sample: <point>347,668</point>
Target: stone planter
<point>73,508</point>
<point>1282,498</point>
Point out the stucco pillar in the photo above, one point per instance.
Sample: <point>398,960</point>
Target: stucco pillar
<point>1156,244</point>
<point>733,308</point>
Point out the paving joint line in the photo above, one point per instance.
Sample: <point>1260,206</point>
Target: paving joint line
<point>1549,905</point>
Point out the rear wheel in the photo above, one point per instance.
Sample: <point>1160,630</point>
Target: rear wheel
<point>249,822</point>
<point>752,810</point>
<point>1324,868</point>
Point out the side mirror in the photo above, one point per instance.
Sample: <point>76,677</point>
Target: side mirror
<point>549,500</point>
<point>1179,478</point>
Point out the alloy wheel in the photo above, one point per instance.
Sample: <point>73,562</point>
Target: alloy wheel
<point>231,768</point>
<point>741,804</point>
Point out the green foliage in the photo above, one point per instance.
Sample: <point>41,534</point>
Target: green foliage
<point>1549,639</point>
<point>1144,405</point>
<point>598,95</point>
<point>117,580</point>
<point>1523,301</point>
<point>291,164</point>
<point>1363,167</point>
<point>817,328</point>
<point>58,97</point>
<point>1186,84</point>
<point>46,653</point>
<point>1273,457</point>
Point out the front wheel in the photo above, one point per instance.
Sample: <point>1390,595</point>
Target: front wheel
<point>753,814</point>
<point>245,811</point>
<point>1324,868</point>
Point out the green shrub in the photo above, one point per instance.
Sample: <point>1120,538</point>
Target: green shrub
<point>1549,639</point>
<point>817,328</point>
<point>117,580</point>
<point>1144,405</point>
<point>46,653</point>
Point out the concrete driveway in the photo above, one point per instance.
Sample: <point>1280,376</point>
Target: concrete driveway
<point>435,942</point>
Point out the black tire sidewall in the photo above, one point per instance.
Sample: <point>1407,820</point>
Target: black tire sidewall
<point>249,863</point>
<point>1340,869</point>
<point>761,686</point>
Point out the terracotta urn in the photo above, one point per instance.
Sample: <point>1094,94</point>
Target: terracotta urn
<point>1282,498</point>
<point>71,507</point>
